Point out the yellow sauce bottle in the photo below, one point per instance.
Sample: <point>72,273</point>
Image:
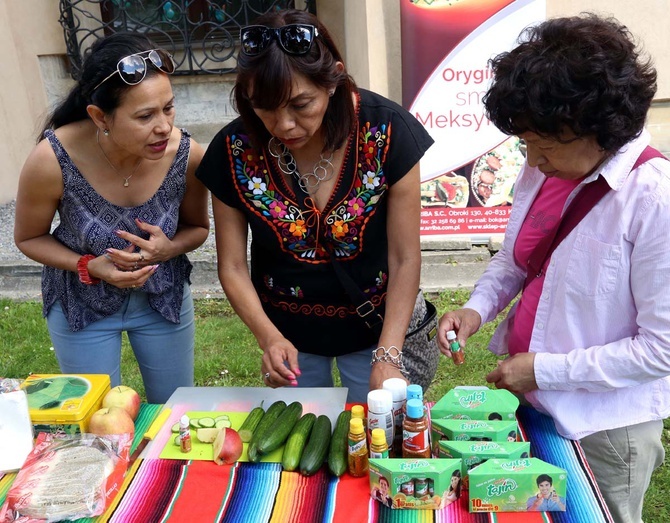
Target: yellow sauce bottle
<point>358,448</point>
<point>378,447</point>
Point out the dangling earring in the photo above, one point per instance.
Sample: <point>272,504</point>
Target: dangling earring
<point>105,132</point>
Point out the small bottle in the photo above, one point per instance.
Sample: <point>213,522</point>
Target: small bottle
<point>358,411</point>
<point>184,434</point>
<point>414,392</point>
<point>415,442</point>
<point>380,413</point>
<point>378,447</point>
<point>358,448</point>
<point>398,388</point>
<point>457,353</point>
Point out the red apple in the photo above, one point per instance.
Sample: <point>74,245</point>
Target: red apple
<point>123,397</point>
<point>227,447</point>
<point>112,420</point>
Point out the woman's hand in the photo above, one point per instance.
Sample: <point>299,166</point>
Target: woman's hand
<point>465,322</point>
<point>142,253</point>
<point>382,371</point>
<point>105,269</point>
<point>516,374</point>
<point>279,364</point>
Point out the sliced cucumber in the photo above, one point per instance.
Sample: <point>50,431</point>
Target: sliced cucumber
<point>194,423</point>
<point>222,417</point>
<point>206,423</point>
<point>223,423</point>
<point>175,428</point>
<point>177,440</point>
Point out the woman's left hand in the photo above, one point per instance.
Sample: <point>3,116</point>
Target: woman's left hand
<point>382,371</point>
<point>141,252</point>
<point>516,374</point>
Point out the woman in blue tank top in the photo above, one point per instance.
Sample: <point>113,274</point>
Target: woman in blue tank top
<point>121,179</point>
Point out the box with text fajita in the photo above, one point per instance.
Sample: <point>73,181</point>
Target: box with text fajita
<point>480,403</point>
<point>64,403</point>
<point>521,485</point>
<point>474,453</point>
<point>415,483</point>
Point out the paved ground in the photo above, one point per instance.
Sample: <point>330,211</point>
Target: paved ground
<point>446,264</point>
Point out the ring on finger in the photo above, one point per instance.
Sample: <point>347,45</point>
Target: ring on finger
<point>266,376</point>
<point>136,266</point>
<point>141,256</point>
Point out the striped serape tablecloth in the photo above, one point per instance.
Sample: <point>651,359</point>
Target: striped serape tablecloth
<point>159,490</point>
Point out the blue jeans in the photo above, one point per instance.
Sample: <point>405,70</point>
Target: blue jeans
<point>316,371</point>
<point>164,350</point>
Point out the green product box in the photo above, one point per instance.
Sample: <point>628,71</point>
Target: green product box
<point>474,453</point>
<point>472,430</point>
<point>476,403</point>
<point>520,485</point>
<point>415,483</point>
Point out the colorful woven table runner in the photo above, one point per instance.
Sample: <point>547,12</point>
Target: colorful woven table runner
<point>177,491</point>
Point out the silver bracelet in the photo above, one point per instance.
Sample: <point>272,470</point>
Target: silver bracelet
<point>392,355</point>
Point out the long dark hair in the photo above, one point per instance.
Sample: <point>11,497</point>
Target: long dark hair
<point>271,75</point>
<point>99,63</point>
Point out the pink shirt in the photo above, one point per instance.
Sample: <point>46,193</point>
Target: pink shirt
<point>542,217</point>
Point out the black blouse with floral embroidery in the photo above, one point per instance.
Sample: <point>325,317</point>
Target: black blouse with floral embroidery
<point>292,241</point>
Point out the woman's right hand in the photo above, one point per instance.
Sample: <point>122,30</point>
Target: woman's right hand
<point>280,361</point>
<point>104,268</point>
<point>465,322</point>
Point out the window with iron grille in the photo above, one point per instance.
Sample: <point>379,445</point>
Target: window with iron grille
<point>202,35</point>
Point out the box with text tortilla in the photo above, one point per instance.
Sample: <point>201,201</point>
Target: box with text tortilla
<point>415,483</point>
<point>520,485</point>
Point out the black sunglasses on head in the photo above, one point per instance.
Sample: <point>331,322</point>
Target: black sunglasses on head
<point>294,39</point>
<point>133,68</point>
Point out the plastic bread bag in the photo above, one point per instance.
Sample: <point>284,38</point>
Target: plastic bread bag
<point>67,478</point>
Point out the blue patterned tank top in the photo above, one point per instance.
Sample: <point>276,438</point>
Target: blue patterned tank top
<point>87,225</point>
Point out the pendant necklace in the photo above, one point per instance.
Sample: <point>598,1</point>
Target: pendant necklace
<point>323,169</point>
<point>126,179</point>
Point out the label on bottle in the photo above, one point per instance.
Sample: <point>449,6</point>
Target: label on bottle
<point>415,440</point>
<point>357,447</point>
<point>379,455</point>
<point>384,421</point>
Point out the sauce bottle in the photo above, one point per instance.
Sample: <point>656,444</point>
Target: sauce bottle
<point>380,413</point>
<point>457,354</point>
<point>398,388</point>
<point>415,442</point>
<point>357,448</point>
<point>184,434</point>
<point>358,411</point>
<point>378,447</point>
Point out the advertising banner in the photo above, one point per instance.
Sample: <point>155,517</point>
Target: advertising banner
<point>468,175</point>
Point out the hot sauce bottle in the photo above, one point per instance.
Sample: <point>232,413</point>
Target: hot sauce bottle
<point>457,354</point>
<point>415,442</point>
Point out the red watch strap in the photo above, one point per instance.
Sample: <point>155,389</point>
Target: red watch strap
<point>82,268</point>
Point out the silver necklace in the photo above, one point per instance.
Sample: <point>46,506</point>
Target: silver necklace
<point>126,179</point>
<point>322,171</point>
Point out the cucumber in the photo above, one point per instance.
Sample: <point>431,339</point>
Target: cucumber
<point>317,447</point>
<point>175,428</point>
<point>177,440</point>
<point>250,423</point>
<point>264,424</point>
<point>296,441</point>
<point>223,423</point>
<point>194,423</point>
<point>337,453</point>
<point>206,423</point>
<point>275,437</point>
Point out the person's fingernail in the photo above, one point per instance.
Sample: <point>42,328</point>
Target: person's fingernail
<point>294,383</point>
<point>155,267</point>
<point>110,250</point>
<point>297,371</point>
<point>118,232</point>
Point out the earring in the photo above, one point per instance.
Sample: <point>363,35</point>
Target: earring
<point>105,132</point>
<point>331,92</point>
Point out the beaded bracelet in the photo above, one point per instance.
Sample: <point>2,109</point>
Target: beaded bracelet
<point>392,355</point>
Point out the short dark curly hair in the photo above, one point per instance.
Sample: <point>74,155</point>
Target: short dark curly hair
<point>582,73</point>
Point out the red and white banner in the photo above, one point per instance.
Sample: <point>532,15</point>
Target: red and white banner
<point>468,175</point>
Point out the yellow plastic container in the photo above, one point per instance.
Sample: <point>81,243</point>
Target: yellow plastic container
<point>64,402</point>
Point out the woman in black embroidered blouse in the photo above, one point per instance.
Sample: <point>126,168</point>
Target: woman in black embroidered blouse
<point>320,171</point>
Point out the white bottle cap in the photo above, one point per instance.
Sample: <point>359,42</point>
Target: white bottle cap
<point>398,388</point>
<point>380,400</point>
<point>184,420</point>
<point>451,335</point>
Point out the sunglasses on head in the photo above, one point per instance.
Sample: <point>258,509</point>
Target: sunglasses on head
<point>133,68</point>
<point>295,39</point>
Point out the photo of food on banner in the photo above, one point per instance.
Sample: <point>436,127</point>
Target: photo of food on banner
<point>486,182</point>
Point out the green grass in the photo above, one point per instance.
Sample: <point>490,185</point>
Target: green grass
<point>227,355</point>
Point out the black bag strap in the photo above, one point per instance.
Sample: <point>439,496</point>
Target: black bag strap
<point>580,206</point>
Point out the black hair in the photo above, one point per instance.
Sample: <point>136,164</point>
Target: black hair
<point>264,81</point>
<point>544,477</point>
<point>100,62</point>
<point>456,474</point>
<point>582,73</point>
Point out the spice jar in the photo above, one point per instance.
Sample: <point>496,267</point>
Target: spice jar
<point>415,442</point>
